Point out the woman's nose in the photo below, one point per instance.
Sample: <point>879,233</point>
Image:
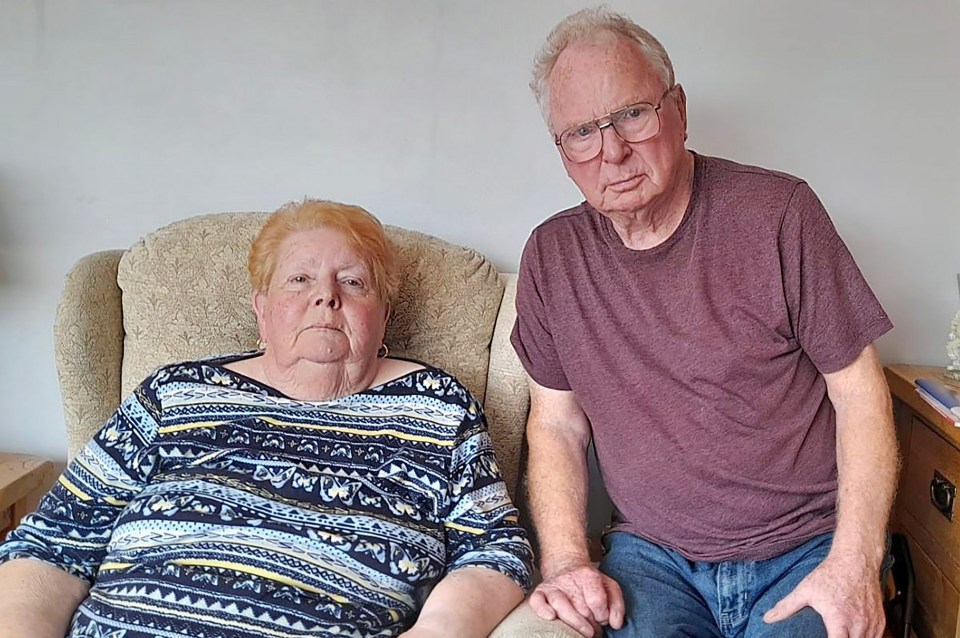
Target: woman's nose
<point>327,296</point>
<point>329,299</point>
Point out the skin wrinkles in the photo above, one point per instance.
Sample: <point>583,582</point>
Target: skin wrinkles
<point>643,188</point>
<point>321,319</point>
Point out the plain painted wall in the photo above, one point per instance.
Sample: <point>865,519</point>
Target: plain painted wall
<point>119,117</point>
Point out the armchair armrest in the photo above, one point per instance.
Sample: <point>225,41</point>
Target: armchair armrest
<point>523,623</point>
<point>89,345</point>
<point>508,398</point>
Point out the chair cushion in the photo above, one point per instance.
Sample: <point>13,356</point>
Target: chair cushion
<point>186,295</point>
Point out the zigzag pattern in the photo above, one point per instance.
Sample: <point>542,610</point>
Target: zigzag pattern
<point>358,409</point>
<point>210,506</point>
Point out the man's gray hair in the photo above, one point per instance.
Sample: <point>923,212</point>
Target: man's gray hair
<point>587,25</point>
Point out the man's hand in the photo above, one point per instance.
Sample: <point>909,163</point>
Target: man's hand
<point>845,593</point>
<point>845,588</point>
<point>580,596</point>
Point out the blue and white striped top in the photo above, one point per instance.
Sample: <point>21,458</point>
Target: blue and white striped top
<point>212,505</point>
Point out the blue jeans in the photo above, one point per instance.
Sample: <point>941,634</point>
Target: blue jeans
<point>668,596</point>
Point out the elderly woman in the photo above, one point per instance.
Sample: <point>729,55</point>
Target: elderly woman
<point>314,487</point>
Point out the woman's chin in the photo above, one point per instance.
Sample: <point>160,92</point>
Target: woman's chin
<point>324,347</point>
<point>333,356</point>
<point>325,356</point>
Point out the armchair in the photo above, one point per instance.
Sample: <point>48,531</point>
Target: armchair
<point>181,292</point>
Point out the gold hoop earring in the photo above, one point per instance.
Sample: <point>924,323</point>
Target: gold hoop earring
<point>383,351</point>
<point>261,345</point>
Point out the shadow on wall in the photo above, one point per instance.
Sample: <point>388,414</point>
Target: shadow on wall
<point>6,238</point>
<point>717,129</point>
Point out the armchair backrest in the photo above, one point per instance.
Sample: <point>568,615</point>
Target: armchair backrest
<point>182,293</point>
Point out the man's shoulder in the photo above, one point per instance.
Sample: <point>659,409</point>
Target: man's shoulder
<point>576,221</point>
<point>724,171</point>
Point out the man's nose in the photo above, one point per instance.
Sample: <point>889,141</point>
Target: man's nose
<point>614,148</point>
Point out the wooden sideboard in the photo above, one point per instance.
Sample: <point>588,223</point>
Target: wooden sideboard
<point>930,448</point>
<point>23,480</point>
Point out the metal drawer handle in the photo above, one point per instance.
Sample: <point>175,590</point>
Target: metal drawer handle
<point>943,493</point>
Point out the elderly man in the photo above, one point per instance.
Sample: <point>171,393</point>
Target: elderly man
<point>703,322</point>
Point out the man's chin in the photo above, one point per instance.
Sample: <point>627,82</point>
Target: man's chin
<point>625,204</point>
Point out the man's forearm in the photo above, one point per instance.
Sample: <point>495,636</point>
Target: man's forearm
<point>868,469</point>
<point>558,484</point>
<point>867,464</point>
<point>38,599</point>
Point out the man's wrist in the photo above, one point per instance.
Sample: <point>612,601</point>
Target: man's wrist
<point>557,561</point>
<point>858,553</point>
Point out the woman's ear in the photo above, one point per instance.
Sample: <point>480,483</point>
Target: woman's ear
<point>257,300</point>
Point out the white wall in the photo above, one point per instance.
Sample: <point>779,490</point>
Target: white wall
<point>117,118</point>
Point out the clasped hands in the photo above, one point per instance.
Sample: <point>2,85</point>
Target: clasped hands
<point>581,596</point>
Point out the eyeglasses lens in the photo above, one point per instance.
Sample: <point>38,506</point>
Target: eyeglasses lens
<point>634,123</point>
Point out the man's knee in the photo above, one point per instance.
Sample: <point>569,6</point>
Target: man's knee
<point>660,598</point>
<point>651,629</point>
<point>806,622</point>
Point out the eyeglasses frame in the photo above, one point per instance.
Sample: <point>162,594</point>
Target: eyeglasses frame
<point>610,122</point>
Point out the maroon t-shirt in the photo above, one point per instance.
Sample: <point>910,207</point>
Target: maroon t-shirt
<point>699,362</point>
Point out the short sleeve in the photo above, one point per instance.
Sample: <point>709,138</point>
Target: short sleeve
<point>833,312</point>
<point>75,519</point>
<point>481,525</point>
<point>531,336</point>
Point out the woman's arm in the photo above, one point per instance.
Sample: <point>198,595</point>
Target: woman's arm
<point>37,599</point>
<point>488,555</point>
<point>49,560</point>
<point>466,603</point>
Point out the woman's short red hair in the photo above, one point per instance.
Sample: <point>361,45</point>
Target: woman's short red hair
<point>362,230</point>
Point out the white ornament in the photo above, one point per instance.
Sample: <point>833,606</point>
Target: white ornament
<point>953,348</point>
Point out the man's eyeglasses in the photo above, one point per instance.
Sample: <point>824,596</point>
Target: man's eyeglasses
<point>634,123</point>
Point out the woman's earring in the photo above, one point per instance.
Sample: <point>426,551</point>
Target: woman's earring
<point>261,344</point>
<point>384,351</point>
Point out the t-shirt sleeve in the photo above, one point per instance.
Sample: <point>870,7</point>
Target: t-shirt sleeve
<point>833,312</point>
<point>481,525</point>
<point>531,336</point>
<point>75,519</point>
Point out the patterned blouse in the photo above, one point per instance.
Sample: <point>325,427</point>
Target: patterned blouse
<point>212,505</point>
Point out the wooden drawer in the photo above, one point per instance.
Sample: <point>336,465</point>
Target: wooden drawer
<point>930,453</point>
<point>928,442</point>
<point>935,612</point>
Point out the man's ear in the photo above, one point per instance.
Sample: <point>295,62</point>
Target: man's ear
<point>682,108</point>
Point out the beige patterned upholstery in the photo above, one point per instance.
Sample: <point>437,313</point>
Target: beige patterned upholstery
<point>181,293</point>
